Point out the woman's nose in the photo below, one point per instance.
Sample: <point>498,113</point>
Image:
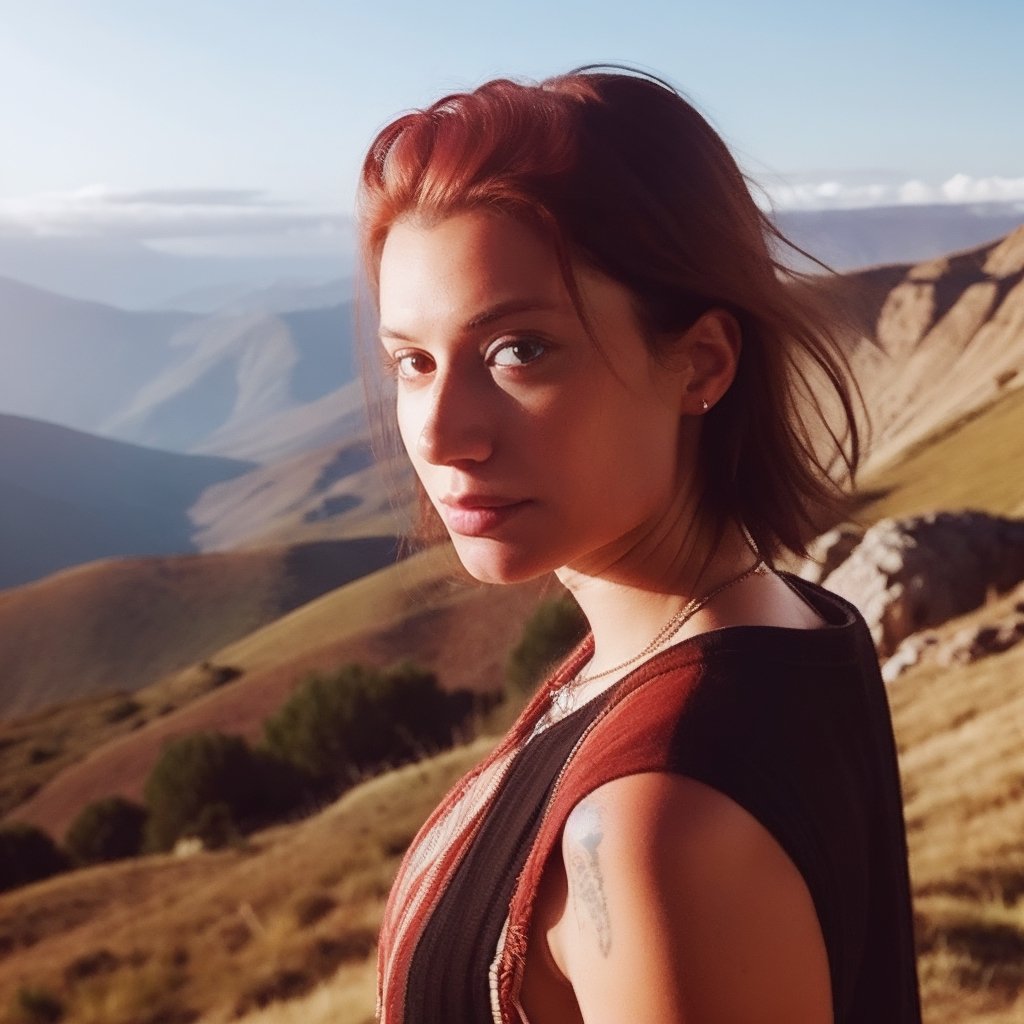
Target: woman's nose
<point>459,424</point>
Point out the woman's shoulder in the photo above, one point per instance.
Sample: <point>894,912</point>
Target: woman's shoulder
<point>675,867</point>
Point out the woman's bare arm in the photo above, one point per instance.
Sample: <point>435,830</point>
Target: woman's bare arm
<point>683,909</point>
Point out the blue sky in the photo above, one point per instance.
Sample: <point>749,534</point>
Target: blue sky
<point>185,119</point>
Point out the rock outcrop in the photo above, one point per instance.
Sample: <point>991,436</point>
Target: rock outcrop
<point>991,635</point>
<point>911,574</point>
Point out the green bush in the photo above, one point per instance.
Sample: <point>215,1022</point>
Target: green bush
<point>27,854</point>
<point>215,826</point>
<point>194,772</point>
<point>555,627</point>
<point>107,829</point>
<point>337,727</point>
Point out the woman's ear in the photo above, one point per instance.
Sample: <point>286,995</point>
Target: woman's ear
<point>711,346</point>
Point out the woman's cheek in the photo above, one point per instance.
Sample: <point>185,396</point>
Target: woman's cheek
<point>405,415</point>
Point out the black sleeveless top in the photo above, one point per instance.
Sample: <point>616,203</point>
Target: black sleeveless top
<point>448,977</point>
<point>792,724</point>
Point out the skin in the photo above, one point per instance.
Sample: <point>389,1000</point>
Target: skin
<point>545,449</point>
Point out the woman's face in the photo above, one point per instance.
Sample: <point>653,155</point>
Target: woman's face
<point>538,450</point>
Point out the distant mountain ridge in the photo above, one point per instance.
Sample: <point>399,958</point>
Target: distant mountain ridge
<point>852,239</point>
<point>215,384</point>
<point>68,497</point>
<point>70,361</point>
<point>235,372</point>
<point>271,373</point>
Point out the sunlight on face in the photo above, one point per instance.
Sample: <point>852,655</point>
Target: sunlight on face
<point>537,449</point>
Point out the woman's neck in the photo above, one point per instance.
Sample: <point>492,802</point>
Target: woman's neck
<point>632,599</point>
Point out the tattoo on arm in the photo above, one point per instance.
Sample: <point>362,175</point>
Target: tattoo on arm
<point>584,869</point>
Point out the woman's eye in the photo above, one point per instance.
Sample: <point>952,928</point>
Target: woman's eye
<point>412,364</point>
<point>517,353</point>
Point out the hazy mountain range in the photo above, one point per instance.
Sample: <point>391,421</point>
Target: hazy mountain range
<point>182,381</point>
<point>68,497</point>
<point>127,273</point>
<point>263,406</point>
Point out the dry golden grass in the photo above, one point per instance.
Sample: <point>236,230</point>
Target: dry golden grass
<point>415,609</point>
<point>225,933</point>
<point>282,930</point>
<point>974,462</point>
<point>961,739</point>
<point>108,626</point>
<point>125,623</point>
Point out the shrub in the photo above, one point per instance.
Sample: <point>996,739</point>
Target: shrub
<point>27,854</point>
<point>107,829</point>
<point>39,754</point>
<point>122,709</point>
<point>193,772</point>
<point>555,627</point>
<point>215,826</point>
<point>336,727</point>
<point>217,675</point>
<point>37,1006</point>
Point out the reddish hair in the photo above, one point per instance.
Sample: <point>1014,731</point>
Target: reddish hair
<point>621,172</point>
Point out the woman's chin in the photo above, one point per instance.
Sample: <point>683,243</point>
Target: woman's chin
<point>489,561</point>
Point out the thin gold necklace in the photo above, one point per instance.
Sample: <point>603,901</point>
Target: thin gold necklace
<point>563,700</point>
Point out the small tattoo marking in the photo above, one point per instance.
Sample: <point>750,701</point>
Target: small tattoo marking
<point>585,872</point>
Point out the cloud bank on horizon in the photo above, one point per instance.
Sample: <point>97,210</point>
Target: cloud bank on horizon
<point>174,220</point>
<point>960,189</point>
<point>212,220</point>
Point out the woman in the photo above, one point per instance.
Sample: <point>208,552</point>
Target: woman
<point>601,369</point>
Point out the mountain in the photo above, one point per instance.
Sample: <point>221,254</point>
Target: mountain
<point>70,361</point>
<point>945,340</point>
<point>283,296</point>
<point>122,623</point>
<point>939,362</point>
<point>337,490</point>
<point>418,609</point>
<point>248,381</point>
<point>68,497</point>
<point>129,274</point>
<point>235,372</point>
<point>854,238</point>
<point>271,372</point>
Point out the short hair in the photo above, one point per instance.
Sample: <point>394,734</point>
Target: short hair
<point>620,172</point>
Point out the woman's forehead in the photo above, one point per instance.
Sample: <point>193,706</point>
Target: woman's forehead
<point>467,266</point>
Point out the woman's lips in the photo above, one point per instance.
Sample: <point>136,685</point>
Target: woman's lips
<point>478,515</point>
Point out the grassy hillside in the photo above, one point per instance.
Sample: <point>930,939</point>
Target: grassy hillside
<point>974,462</point>
<point>334,491</point>
<point>226,933</point>
<point>121,624</point>
<point>416,609</point>
<point>165,938</point>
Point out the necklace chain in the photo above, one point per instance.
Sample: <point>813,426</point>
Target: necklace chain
<point>563,700</point>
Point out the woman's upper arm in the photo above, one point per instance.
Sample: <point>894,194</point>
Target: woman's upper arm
<point>683,908</point>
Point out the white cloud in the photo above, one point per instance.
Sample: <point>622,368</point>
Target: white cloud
<point>835,194</point>
<point>161,215</point>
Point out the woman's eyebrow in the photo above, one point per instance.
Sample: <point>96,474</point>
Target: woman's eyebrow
<point>509,308</point>
<point>487,316</point>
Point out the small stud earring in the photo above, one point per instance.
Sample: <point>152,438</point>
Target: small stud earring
<point>704,405</point>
